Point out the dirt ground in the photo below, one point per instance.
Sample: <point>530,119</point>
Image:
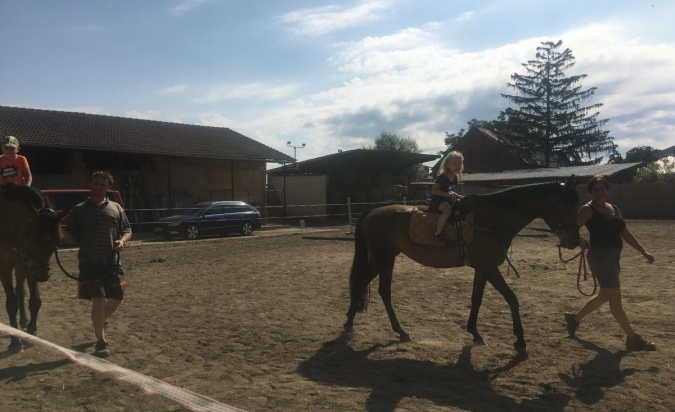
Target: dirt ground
<point>256,323</point>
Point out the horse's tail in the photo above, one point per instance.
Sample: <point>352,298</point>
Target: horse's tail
<point>358,278</point>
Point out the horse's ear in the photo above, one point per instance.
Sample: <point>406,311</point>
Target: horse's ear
<point>572,182</point>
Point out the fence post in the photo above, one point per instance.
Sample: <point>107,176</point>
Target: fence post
<point>349,215</point>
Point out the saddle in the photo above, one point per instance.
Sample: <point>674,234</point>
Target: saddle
<point>423,226</point>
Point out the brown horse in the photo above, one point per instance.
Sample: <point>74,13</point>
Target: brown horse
<point>383,233</point>
<point>29,235</point>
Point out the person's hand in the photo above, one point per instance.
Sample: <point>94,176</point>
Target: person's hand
<point>583,244</point>
<point>119,244</point>
<point>648,256</point>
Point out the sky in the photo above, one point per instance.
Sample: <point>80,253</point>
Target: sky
<point>333,75</point>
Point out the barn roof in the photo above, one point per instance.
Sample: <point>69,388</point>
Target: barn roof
<point>551,173</point>
<point>670,151</point>
<point>71,130</point>
<point>359,159</point>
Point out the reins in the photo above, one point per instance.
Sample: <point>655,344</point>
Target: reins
<point>582,255</point>
<point>505,249</point>
<point>65,272</point>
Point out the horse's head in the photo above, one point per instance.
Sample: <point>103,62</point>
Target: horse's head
<point>562,218</point>
<point>42,239</point>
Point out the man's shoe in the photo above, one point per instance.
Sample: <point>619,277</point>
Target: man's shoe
<point>637,342</point>
<point>572,324</point>
<point>102,350</point>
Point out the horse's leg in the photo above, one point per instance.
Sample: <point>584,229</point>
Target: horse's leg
<point>11,303</point>
<point>34,304</point>
<point>359,300</point>
<point>479,280</point>
<point>20,291</point>
<point>498,282</point>
<point>386,264</point>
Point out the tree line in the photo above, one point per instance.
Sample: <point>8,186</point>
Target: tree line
<point>551,118</point>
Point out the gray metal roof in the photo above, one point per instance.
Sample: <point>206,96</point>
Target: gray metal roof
<point>355,159</point>
<point>665,153</point>
<point>552,173</point>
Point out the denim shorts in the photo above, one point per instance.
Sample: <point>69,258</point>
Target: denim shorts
<point>604,263</point>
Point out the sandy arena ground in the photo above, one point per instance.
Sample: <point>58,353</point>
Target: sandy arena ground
<point>256,323</point>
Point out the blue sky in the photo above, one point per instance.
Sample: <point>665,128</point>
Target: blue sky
<point>333,74</point>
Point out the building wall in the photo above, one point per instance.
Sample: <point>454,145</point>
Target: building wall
<point>209,179</point>
<point>146,185</point>
<point>305,196</point>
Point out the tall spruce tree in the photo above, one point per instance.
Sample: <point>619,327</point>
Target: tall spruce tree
<point>550,117</point>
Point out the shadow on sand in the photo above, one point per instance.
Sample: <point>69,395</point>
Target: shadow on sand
<point>390,380</point>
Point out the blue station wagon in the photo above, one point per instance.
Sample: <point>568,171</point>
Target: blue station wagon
<point>211,218</point>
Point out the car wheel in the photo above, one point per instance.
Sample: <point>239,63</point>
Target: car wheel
<point>246,229</point>
<point>192,232</point>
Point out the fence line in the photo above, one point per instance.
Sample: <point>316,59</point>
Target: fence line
<point>652,200</point>
<point>184,397</point>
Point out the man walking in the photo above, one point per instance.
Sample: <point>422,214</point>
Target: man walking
<point>101,229</point>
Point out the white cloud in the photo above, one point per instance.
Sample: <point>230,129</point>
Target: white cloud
<point>178,88</point>
<point>248,91</point>
<point>410,82</point>
<point>187,5</point>
<point>323,20</point>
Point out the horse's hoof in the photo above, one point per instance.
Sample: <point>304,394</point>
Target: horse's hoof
<point>521,350</point>
<point>479,342</point>
<point>15,346</point>
<point>348,327</point>
<point>405,337</point>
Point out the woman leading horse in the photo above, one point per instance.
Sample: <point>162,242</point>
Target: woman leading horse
<point>29,235</point>
<point>383,233</point>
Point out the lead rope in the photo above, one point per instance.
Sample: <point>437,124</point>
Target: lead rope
<point>582,255</point>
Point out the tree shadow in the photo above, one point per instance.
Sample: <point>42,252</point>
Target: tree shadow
<point>603,371</point>
<point>391,380</point>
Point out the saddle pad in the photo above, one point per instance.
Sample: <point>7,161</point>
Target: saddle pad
<point>423,227</point>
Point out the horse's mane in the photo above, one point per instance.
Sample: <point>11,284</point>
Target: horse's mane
<point>26,194</point>
<point>530,193</point>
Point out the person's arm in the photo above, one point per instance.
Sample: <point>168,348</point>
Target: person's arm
<point>583,215</point>
<point>67,236</point>
<point>125,228</point>
<point>631,240</point>
<point>437,191</point>
<point>27,177</point>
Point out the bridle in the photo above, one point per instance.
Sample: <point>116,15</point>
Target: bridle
<point>31,261</point>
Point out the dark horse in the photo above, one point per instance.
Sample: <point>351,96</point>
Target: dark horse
<point>382,233</point>
<point>29,235</point>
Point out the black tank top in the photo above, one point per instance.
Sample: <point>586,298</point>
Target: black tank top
<point>606,229</point>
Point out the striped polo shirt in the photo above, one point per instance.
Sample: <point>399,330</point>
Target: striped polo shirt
<point>96,228</point>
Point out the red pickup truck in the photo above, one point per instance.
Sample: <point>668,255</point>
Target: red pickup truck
<point>62,199</point>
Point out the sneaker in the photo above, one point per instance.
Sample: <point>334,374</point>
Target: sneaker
<point>102,350</point>
<point>637,342</point>
<point>572,324</point>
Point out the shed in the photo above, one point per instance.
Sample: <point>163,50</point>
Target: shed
<point>322,186</point>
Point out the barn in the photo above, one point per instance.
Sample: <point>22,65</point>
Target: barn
<point>156,165</point>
